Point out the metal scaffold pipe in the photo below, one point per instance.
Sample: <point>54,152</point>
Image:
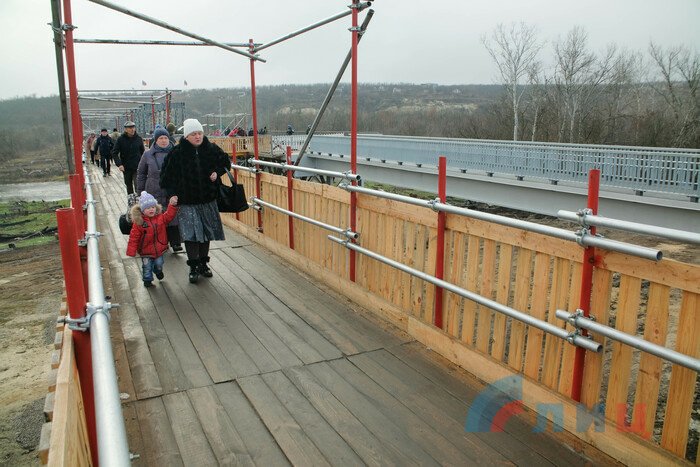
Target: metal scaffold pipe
<point>308,28</point>
<point>672,356</point>
<point>587,219</point>
<point>113,448</point>
<point>345,232</point>
<point>545,326</point>
<point>146,42</point>
<point>170,27</point>
<point>328,173</point>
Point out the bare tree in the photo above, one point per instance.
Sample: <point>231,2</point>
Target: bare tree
<point>578,75</point>
<point>680,71</point>
<point>514,49</point>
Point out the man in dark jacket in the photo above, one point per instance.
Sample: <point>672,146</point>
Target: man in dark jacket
<point>127,154</point>
<point>104,145</point>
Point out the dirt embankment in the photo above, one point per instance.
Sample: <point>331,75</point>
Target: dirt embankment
<point>30,297</point>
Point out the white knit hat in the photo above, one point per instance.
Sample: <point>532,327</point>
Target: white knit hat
<point>190,125</point>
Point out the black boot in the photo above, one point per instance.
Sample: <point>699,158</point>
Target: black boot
<point>203,268</point>
<point>194,270</point>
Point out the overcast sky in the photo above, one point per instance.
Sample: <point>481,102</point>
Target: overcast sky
<point>436,41</point>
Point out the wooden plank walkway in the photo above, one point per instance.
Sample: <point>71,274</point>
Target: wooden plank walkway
<point>260,366</point>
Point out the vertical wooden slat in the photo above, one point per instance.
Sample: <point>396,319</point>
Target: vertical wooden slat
<point>455,275</point>
<point>566,375</point>
<point>649,379</point>
<point>469,314</point>
<point>620,367</point>
<point>600,307</point>
<point>502,292</point>
<point>488,272</point>
<point>417,284</point>
<point>533,354</point>
<point>682,390</point>
<point>394,284</point>
<point>409,259</point>
<point>553,345</point>
<point>429,290</point>
<point>522,293</point>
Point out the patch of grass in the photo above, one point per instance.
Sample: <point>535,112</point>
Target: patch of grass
<point>27,223</point>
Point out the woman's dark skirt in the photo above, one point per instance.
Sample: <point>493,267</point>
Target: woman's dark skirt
<point>200,222</point>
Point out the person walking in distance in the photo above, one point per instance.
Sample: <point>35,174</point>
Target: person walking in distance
<point>127,154</point>
<point>104,145</point>
<point>148,178</point>
<point>191,173</point>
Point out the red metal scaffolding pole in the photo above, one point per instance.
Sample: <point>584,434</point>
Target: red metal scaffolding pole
<point>76,124</point>
<point>353,132</point>
<point>167,106</point>
<point>75,299</point>
<point>586,284</point>
<point>290,197</point>
<point>255,128</point>
<point>153,114</point>
<point>440,258</point>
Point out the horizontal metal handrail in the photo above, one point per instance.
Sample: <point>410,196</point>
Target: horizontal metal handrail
<point>583,238</point>
<point>345,175</point>
<point>581,322</point>
<point>549,328</point>
<point>113,449</point>
<point>244,168</point>
<point>345,232</point>
<point>585,218</point>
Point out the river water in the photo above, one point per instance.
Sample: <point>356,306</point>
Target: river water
<point>47,191</point>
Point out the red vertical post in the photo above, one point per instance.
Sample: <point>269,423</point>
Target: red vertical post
<point>353,132</point>
<point>75,297</point>
<point>290,197</point>
<point>153,114</point>
<point>440,259</point>
<point>76,124</point>
<point>586,284</point>
<point>255,128</point>
<point>235,172</point>
<point>167,106</point>
<point>77,198</point>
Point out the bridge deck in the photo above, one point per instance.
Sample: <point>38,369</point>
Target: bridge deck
<point>259,365</point>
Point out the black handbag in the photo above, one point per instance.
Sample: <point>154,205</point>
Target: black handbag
<point>124,225</point>
<point>231,198</point>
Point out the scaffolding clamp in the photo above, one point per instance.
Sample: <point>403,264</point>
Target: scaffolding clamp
<point>582,213</point>
<point>68,27</point>
<point>83,324</point>
<point>581,235</point>
<point>433,204</point>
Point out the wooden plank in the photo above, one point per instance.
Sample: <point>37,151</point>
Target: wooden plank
<point>538,308</point>
<point>260,444</point>
<point>523,275</point>
<point>189,436</point>
<point>55,359</point>
<point>49,402</point>
<point>593,369</point>
<point>429,289</point>
<point>455,274</point>
<point>44,443</point>
<point>469,316</point>
<point>418,285</point>
<point>294,442</point>
<point>558,301</point>
<point>133,429</point>
<point>682,389</point>
<point>397,209</point>
<point>424,417</point>
<point>367,411</point>
<point>328,441</point>
<point>306,342</point>
<point>485,315</point>
<point>121,362</point>
<point>650,366</point>
<point>626,449</point>
<point>338,322</point>
<point>620,366</point>
<point>408,259</point>
<point>566,375</point>
<point>210,327</point>
<point>365,444</point>
<point>58,340</point>
<point>225,442</point>
<point>505,260</point>
<point>668,272</point>
<point>159,443</point>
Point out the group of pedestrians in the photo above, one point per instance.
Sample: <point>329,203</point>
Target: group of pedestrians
<point>184,177</point>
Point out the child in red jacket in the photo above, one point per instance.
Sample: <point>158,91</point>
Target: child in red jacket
<point>148,235</point>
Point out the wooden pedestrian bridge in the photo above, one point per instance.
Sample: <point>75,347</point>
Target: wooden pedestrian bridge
<point>280,359</point>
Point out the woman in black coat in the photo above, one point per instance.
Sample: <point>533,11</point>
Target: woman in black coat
<point>191,173</point>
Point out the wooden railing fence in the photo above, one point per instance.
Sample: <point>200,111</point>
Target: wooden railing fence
<point>532,273</point>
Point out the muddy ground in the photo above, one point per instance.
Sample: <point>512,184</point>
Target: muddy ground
<point>31,285</point>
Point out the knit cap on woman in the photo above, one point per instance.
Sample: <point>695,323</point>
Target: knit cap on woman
<point>160,131</point>
<point>190,126</point>
<point>146,200</point>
